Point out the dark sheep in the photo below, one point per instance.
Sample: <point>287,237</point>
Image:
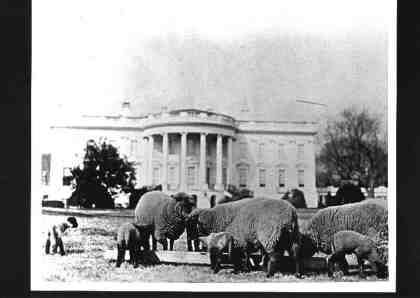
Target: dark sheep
<point>130,237</point>
<point>349,193</point>
<point>261,223</point>
<point>347,242</point>
<point>162,216</point>
<point>55,233</point>
<point>369,217</point>
<point>296,198</point>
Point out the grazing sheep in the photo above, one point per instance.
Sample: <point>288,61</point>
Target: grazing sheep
<point>162,216</point>
<point>57,231</point>
<point>131,238</point>
<point>347,242</point>
<point>264,223</point>
<point>369,217</point>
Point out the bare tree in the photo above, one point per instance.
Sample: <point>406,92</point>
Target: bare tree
<point>354,145</point>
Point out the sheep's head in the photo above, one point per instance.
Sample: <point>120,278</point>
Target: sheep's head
<point>72,220</point>
<point>185,203</point>
<point>198,223</point>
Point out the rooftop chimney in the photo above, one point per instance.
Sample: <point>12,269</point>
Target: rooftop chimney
<point>125,108</point>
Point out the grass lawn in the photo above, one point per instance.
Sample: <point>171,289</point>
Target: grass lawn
<point>85,259</point>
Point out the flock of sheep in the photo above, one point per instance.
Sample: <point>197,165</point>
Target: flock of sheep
<point>265,225</point>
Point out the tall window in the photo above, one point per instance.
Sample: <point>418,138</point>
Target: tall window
<point>301,178</point>
<point>282,177</point>
<point>282,152</point>
<point>191,176</point>
<point>133,147</point>
<point>260,150</point>
<point>190,147</point>
<point>262,177</point>
<point>155,177</point>
<point>45,168</point>
<point>171,144</point>
<point>224,176</point>
<point>243,173</point>
<point>242,150</point>
<point>300,152</point>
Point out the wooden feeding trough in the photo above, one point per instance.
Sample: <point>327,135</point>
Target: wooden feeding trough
<point>285,263</point>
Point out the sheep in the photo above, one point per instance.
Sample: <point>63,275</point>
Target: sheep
<point>346,242</point>
<point>57,231</point>
<point>130,237</point>
<point>163,217</point>
<point>261,223</point>
<point>369,217</point>
<point>218,243</point>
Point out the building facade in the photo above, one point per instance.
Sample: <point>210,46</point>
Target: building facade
<point>196,151</point>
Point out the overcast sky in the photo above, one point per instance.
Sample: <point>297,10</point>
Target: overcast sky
<point>89,56</point>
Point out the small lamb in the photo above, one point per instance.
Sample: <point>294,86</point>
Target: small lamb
<point>347,242</point>
<point>55,233</point>
<point>217,243</point>
<point>130,237</point>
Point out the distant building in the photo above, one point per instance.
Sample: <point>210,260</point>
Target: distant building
<point>196,151</point>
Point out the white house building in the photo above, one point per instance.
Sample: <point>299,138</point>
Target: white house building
<point>196,151</point>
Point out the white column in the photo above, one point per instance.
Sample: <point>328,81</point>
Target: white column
<point>165,162</point>
<point>311,194</point>
<point>182,177</point>
<point>150,160</point>
<point>219,143</point>
<point>229,162</point>
<point>203,162</point>
<point>291,179</point>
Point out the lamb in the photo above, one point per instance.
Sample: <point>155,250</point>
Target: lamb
<point>218,243</point>
<point>257,223</point>
<point>55,234</point>
<point>369,217</point>
<point>163,217</point>
<point>130,237</point>
<point>346,242</point>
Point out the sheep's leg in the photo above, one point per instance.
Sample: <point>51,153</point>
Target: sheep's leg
<point>196,245</point>
<point>121,255</point>
<point>344,266</point>
<point>271,264</point>
<point>171,244</point>
<point>189,244</point>
<point>360,263</point>
<point>61,247</point>
<point>154,243</point>
<point>47,245</point>
<point>334,258</point>
<point>295,254</point>
<point>164,243</point>
<point>134,255</point>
